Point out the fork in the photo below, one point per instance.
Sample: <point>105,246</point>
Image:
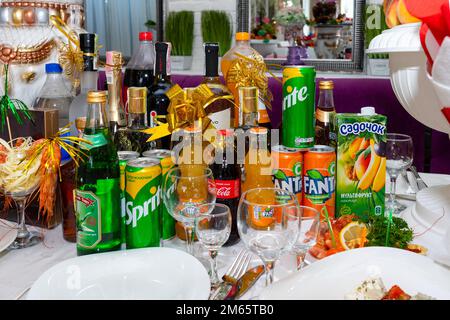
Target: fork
<point>232,275</point>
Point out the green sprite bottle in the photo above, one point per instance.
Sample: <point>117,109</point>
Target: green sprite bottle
<point>97,194</point>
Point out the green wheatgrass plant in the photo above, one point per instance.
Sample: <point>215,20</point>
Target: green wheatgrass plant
<point>180,32</point>
<point>216,27</point>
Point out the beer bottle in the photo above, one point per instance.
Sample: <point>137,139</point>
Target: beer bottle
<point>97,194</point>
<point>325,114</point>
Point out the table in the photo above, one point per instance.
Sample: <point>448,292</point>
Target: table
<point>20,268</point>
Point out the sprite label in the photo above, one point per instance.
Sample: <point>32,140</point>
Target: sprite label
<point>143,201</point>
<point>299,92</point>
<point>89,222</point>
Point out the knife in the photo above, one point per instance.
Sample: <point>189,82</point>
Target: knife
<point>245,282</point>
<point>420,183</point>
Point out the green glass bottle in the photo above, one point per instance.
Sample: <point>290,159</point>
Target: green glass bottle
<point>97,194</point>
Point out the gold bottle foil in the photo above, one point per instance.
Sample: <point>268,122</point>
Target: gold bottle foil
<point>248,99</point>
<point>137,100</point>
<point>97,96</point>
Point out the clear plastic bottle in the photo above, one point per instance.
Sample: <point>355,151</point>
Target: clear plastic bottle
<point>54,94</point>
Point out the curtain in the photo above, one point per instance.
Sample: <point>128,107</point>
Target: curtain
<point>118,22</point>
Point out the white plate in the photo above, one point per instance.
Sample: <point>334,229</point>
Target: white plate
<point>142,274</point>
<point>8,233</point>
<point>334,277</point>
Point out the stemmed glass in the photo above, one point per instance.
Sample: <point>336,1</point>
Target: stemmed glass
<point>213,229</point>
<point>268,224</point>
<point>399,157</point>
<point>184,192</point>
<point>308,230</point>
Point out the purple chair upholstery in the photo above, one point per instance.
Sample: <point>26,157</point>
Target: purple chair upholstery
<point>352,94</point>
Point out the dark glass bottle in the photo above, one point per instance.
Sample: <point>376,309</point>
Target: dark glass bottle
<point>227,177</point>
<point>222,111</point>
<point>132,138</point>
<point>158,102</point>
<point>325,115</point>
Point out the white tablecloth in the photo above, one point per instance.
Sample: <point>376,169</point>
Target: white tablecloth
<point>20,268</point>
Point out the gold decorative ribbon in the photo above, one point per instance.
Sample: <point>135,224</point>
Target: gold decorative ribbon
<point>70,54</point>
<point>187,107</point>
<point>251,72</point>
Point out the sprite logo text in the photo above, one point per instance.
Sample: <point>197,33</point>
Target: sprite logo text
<point>359,127</point>
<point>134,214</point>
<point>295,96</point>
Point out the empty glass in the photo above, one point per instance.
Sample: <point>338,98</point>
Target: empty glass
<point>399,157</point>
<point>307,237</point>
<point>268,224</point>
<point>184,192</point>
<point>213,228</point>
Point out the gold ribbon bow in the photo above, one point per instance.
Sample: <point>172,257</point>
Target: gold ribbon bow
<point>70,54</point>
<point>251,72</point>
<point>187,107</point>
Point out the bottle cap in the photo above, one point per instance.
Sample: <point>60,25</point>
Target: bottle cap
<point>242,36</point>
<point>368,111</point>
<point>248,99</point>
<point>212,59</point>
<point>80,123</point>
<point>259,130</point>
<point>137,99</point>
<point>88,42</point>
<point>145,36</point>
<point>53,68</point>
<point>97,96</point>
<point>326,85</point>
<point>225,133</point>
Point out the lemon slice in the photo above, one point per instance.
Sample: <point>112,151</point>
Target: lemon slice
<point>353,235</point>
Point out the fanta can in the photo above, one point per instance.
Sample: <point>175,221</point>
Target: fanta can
<point>288,170</point>
<point>319,179</point>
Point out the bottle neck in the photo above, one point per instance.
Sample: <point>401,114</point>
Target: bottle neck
<point>89,81</point>
<point>137,120</point>
<point>212,65</point>
<point>326,100</point>
<point>96,117</point>
<point>242,43</point>
<point>162,71</point>
<point>258,142</point>
<point>116,109</point>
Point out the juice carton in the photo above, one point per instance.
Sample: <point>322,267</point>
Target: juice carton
<point>361,163</point>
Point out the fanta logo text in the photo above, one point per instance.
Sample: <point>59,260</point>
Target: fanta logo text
<point>358,127</point>
<point>134,214</point>
<point>297,95</point>
<point>319,187</point>
<point>291,184</point>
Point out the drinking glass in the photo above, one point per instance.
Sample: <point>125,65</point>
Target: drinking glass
<point>267,224</point>
<point>184,192</point>
<point>399,157</point>
<point>308,230</point>
<point>213,229</point>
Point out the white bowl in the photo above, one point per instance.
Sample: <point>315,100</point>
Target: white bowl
<point>409,78</point>
<point>334,277</point>
<point>142,274</point>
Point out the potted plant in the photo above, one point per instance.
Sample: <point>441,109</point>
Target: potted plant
<point>292,19</point>
<point>180,32</point>
<point>216,27</point>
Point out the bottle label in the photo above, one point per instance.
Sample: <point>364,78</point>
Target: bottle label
<point>324,116</point>
<point>96,141</point>
<point>228,189</point>
<point>263,116</point>
<point>89,219</point>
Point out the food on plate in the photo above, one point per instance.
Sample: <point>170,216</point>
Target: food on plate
<point>374,289</point>
<point>351,232</point>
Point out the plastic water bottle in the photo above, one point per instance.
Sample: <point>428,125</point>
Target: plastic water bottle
<point>55,95</point>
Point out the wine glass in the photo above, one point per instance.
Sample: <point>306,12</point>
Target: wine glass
<point>308,230</point>
<point>213,229</point>
<point>185,190</point>
<point>267,224</point>
<point>399,157</point>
